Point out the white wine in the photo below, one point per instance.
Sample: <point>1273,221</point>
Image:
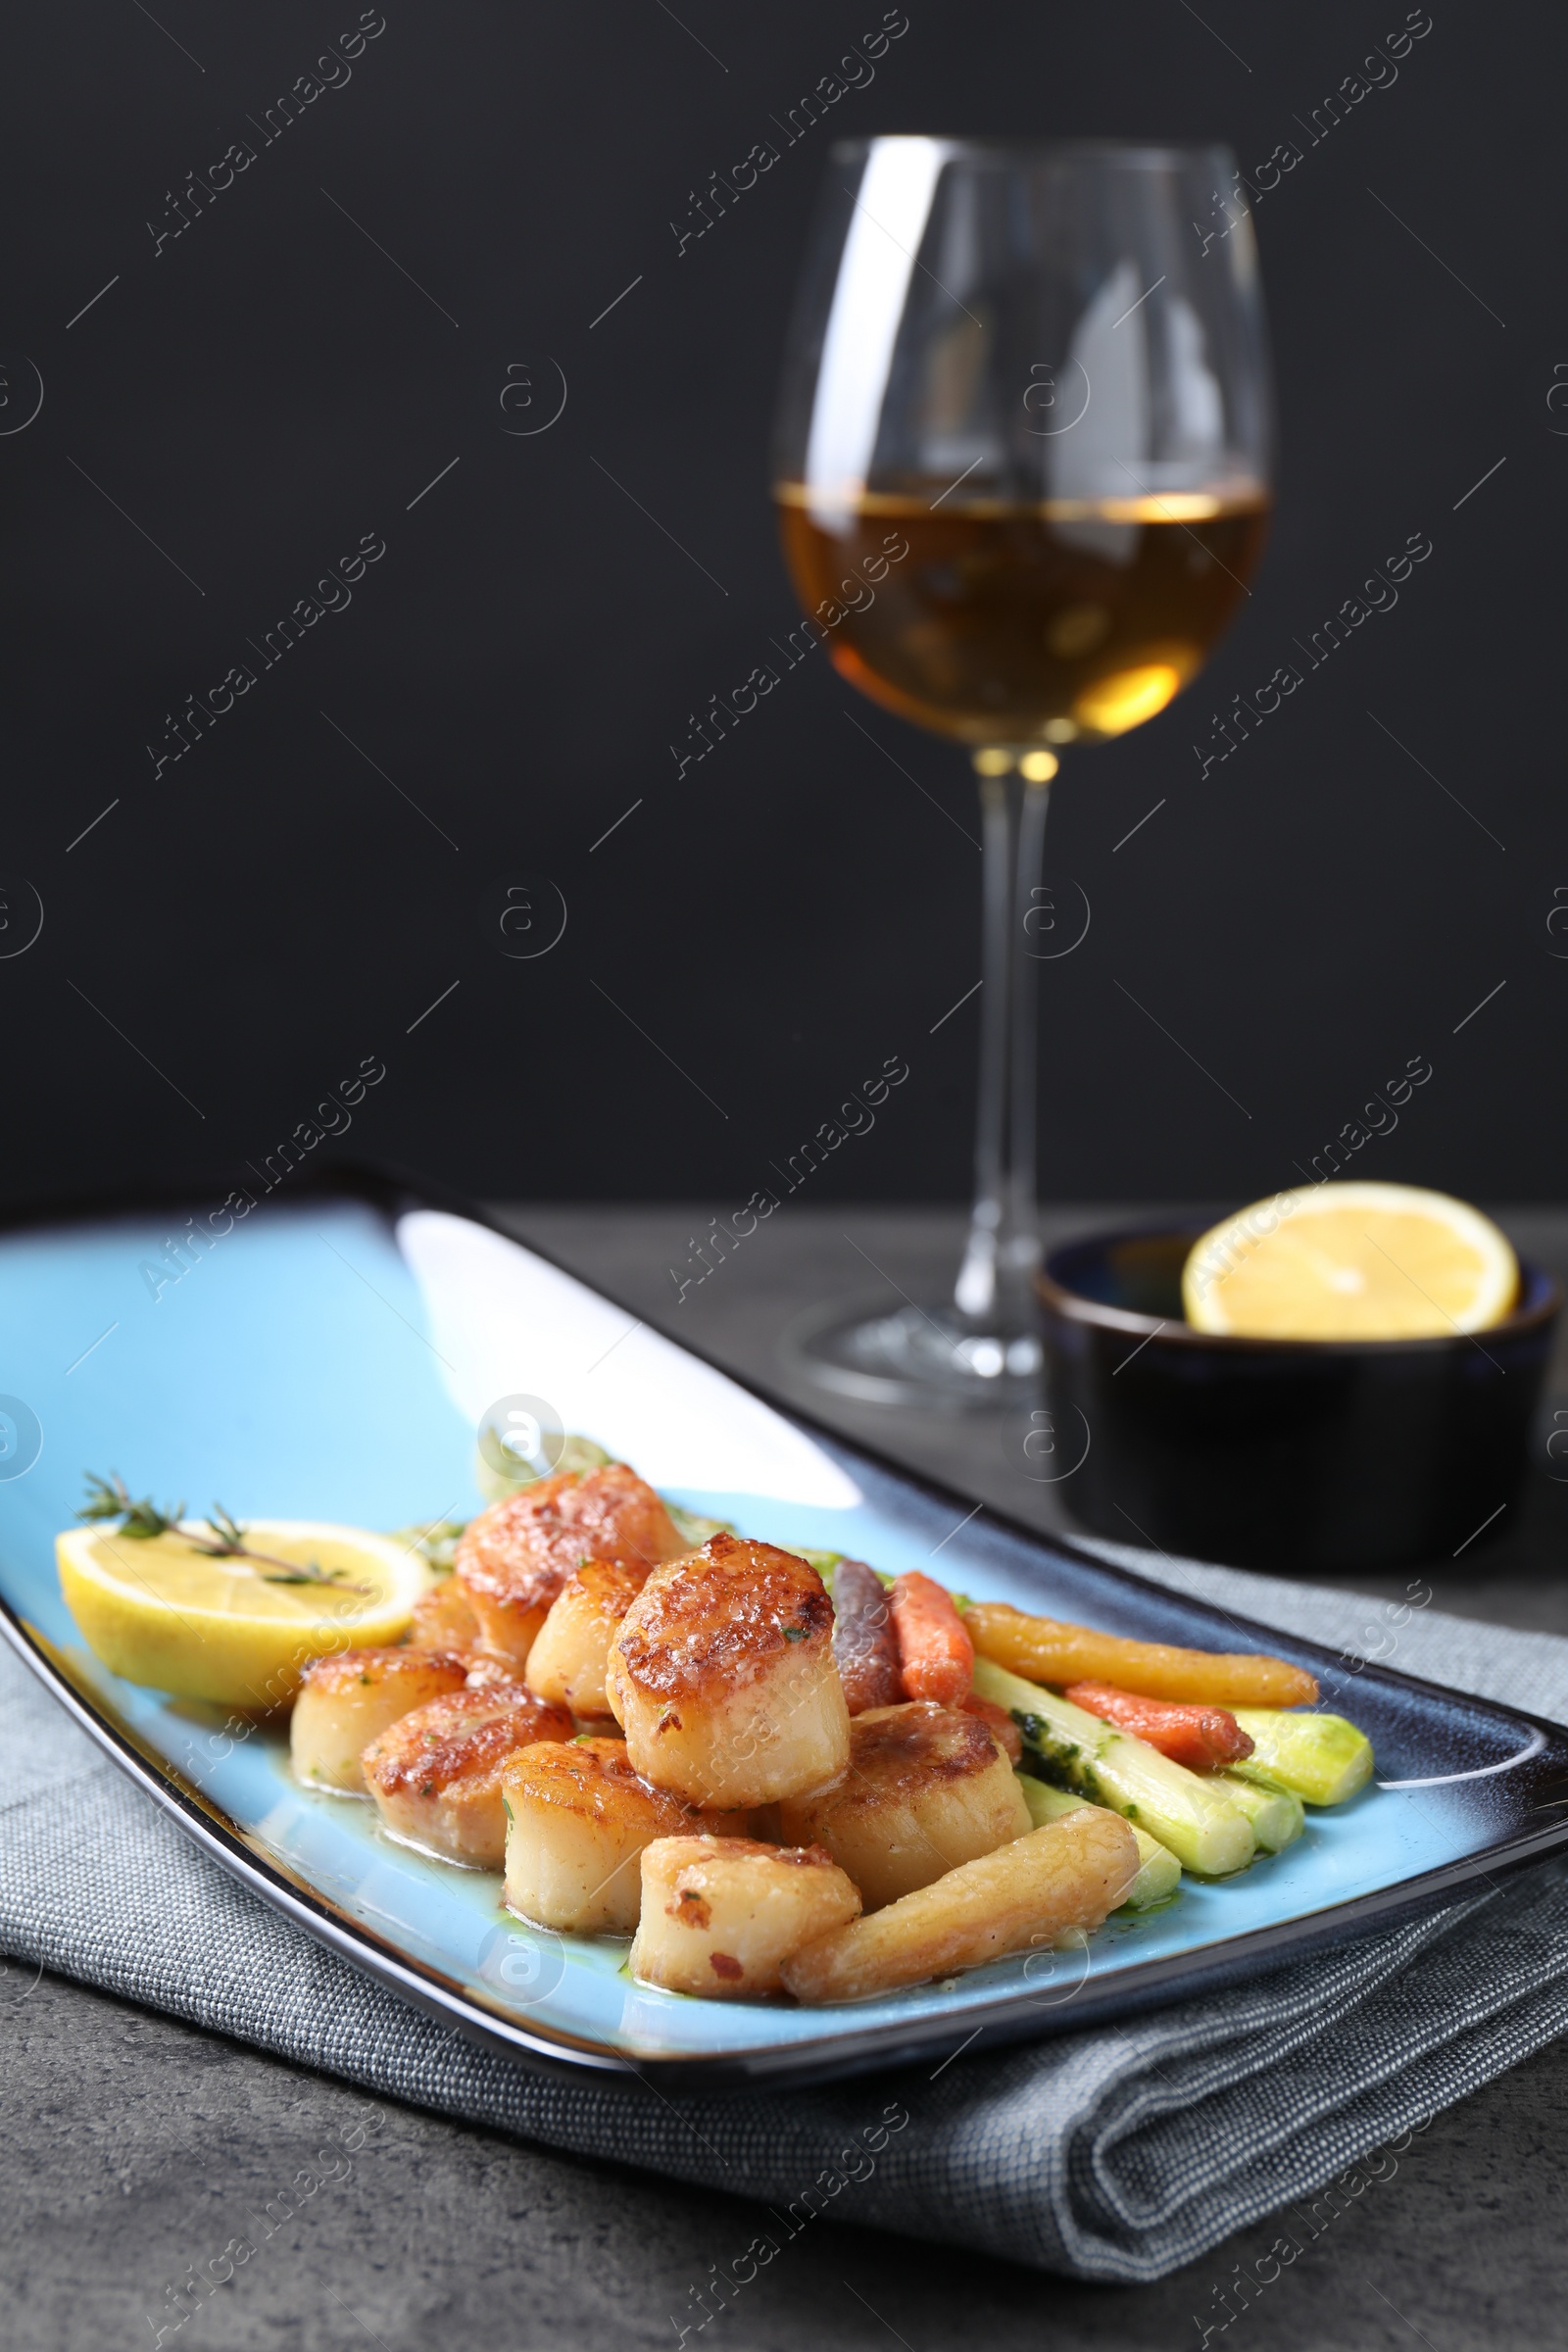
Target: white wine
<point>1063,621</point>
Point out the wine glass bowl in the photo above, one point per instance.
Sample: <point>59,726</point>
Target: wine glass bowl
<point>1021,471</point>
<point>1018,623</point>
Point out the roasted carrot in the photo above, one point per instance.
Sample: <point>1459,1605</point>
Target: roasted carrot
<point>1043,1650</point>
<point>936,1656</point>
<point>865,1646</point>
<point>997,1721</point>
<point>1204,1739</point>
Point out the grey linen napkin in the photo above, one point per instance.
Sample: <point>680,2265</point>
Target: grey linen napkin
<point>1118,2153</point>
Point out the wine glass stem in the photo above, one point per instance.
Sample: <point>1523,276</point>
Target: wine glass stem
<point>996,1281</point>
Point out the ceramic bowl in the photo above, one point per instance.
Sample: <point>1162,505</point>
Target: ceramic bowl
<point>1305,1456</point>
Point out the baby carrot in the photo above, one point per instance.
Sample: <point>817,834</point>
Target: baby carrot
<point>997,1722</point>
<point>934,1654</point>
<point>1043,1650</point>
<point>1204,1739</point>
<point>865,1646</point>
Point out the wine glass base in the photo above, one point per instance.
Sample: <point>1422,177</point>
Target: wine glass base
<point>932,1359</point>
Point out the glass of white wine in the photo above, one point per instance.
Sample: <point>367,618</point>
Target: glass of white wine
<point>1022,468</point>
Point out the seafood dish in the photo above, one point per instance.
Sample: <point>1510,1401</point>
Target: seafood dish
<point>782,1775</point>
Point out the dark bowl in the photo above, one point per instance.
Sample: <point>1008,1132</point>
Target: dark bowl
<point>1297,1455</point>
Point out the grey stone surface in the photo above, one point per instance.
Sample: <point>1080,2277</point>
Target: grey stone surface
<point>134,2146</point>
<point>808,1254</point>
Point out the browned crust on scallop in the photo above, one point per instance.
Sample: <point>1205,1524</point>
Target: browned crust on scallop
<point>460,1737</point>
<point>707,1847</point>
<point>442,1619</point>
<point>895,1750</point>
<point>592,1778</point>
<point>343,1669</point>
<point>612,1586</point>
<point>704,1624</point>
<point>520,1552</point>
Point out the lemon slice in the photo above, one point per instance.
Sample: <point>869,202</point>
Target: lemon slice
<point>161,1613</point>
<point>1350,1261</point>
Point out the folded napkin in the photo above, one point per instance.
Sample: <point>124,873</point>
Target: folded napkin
<point>1118,2153</point>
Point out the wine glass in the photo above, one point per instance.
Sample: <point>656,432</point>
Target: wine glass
<point>1021,468</point>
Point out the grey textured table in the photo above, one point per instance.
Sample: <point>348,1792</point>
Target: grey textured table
<point>133,2146</point>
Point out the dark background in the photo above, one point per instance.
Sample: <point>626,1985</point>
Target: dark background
<point>247,927</point>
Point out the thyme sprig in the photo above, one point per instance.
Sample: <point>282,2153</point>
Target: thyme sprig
<point>110,1498</point>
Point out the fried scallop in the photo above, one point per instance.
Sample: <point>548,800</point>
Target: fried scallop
<point>516,1556</point>
<point>722,1675</point>
<point>578,1817</point>
<point>489,1674</point>
<point>927,1788</point>
<point>567,1663</point>
<point>348,1700</point>
<point>721,1915</point>
<point>435,1775</point>
<point>444,1619</point>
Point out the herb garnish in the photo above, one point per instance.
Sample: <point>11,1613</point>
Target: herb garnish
<point>110,1498</point>
<point>435,1544</point>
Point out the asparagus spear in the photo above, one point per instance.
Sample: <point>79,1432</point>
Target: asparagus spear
<point>1321,1757</point>
<point>1160,1872</point>
<point>694,1527</point>
<point>824,1562</point>
<point>1191,1816</point>
<point>1274,1811</point>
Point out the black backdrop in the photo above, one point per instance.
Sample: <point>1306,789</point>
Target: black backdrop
<point>252,397</point>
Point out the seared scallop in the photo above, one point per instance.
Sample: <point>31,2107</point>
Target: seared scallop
<point>516,1555</point>
<point>444,1619</point>
<point>721,1915</point>
<point>927,1788</point>
<point>567,1663</point>
<point>435,1775</point>
<point>578,1818</point>
<point>489,1674</point>
<point>346,1701</point>
<point>722,1675</point>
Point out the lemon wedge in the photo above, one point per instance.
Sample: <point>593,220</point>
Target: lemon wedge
<point>1350,1261</point>
<point>161,1613</point>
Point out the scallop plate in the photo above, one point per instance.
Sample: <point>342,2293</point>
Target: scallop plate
<point>331,1357</point>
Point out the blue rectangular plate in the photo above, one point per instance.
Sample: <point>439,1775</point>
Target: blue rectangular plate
<point>329,1358</point>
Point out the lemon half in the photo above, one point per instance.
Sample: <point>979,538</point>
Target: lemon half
<point>161,1613</point>
<point>1350,1261</point>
